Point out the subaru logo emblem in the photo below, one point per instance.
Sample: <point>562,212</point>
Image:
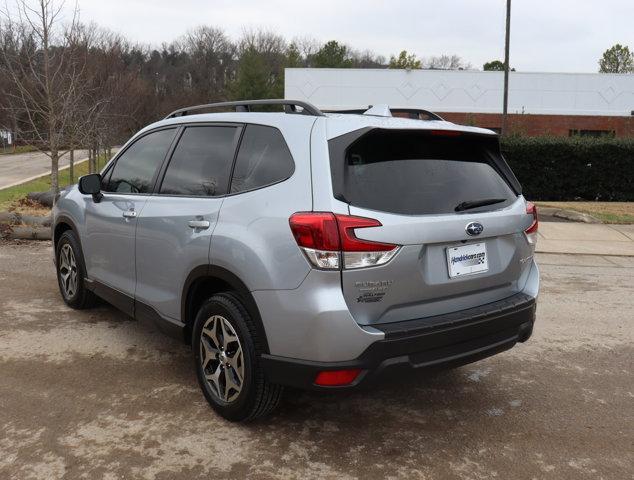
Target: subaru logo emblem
<point>474,228</point>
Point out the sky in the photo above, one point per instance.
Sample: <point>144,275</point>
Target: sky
<point>546,35</point>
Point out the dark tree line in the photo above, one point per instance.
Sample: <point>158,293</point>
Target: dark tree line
<point>66,85</point>
<point>118,86</point>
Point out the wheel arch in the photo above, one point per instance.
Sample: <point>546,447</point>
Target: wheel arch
<point>206,280</point>
<point>64,223</point>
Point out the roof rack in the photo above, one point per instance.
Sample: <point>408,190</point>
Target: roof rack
<point>290,106</point>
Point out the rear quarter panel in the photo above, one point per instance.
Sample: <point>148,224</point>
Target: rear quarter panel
<point>253,239</point>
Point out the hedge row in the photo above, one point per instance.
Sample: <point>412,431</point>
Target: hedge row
<point>576,168</point>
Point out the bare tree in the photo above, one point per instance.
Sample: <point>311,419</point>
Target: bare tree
<point>266,43</point>
<point>446,62</point>
<point>367,59</point>
<point>65,86</point>
<point>209,67</point>
<point>45,69</point>
<point>260,66</point>
<point>307,48</point>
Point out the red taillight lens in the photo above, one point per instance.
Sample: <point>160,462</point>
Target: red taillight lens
<point>317,230</point>
<point>337,378</point>
<point>326,238</point>
<point>532,209</point>
<point>350,242</point>
<point>531,232</point>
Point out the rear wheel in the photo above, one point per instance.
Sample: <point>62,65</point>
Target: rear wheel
<point>71,272</point>
<point>226,352</point>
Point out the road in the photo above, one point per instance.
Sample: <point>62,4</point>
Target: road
<point>95,395</point>
<point>21,167</point>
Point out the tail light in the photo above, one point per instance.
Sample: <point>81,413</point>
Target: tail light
<point>446,133</point>
<point>329,241</point>
<point>531,232</point>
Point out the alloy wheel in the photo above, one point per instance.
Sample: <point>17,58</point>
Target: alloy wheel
<point>221,359</point>
<point>68,271</point>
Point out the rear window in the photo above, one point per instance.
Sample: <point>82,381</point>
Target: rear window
<point>263,159</point>
<point>418,173</point>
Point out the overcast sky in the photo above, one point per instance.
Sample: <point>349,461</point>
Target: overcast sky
<point>546,35</point>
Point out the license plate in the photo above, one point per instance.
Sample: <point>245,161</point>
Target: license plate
<point>467,259</point>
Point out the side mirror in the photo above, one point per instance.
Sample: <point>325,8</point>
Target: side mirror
<point>91,185</point>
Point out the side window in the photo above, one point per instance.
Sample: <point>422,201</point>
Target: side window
<point>263,159</point>
<point>136,167</point>
<point>201,163</point>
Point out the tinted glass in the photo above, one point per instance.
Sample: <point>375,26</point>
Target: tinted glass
<point>201,163</point>
<point>263,159</point>
<point>136,167</point>
<point>418,173</point>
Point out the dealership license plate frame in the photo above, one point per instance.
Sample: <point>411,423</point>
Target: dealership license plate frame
<point>461,269</point>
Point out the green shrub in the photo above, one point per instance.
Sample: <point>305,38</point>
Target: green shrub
<point>576,168</point>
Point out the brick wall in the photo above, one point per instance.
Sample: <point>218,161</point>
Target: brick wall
<point>557,125</point>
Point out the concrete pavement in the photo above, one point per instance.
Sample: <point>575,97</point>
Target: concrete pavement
<point>23,167</point>
<point>583,238</point>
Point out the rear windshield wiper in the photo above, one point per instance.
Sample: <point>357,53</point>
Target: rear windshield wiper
<point>478,203</point>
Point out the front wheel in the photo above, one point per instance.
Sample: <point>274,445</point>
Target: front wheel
<point>226,352</point>
<point>71,273</point>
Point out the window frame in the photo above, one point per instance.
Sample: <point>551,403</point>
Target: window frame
<point>163,170</point>
<point>242,126</point>
<point>109,168</point>
<point>235,161</point>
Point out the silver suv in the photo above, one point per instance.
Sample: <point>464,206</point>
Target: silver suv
<point>305,249</point>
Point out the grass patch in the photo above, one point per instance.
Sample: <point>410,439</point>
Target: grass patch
<point>11,196</point>
<point>607,212</point>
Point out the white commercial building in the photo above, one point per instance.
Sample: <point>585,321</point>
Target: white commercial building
<point>464,90</point>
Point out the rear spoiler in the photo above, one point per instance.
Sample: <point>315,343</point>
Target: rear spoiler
<point>413,113</point>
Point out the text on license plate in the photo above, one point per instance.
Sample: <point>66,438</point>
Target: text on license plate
<point>467,259</point>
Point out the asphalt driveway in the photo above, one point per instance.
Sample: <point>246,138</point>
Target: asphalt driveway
<point>95,395</point>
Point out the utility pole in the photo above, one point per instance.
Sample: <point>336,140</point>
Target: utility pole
<point>506,67</point>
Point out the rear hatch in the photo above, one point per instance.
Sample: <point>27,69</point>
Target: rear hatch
<point>451,204</point>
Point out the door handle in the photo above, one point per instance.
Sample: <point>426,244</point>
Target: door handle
<point>129,214</point>
<point>202,224</point>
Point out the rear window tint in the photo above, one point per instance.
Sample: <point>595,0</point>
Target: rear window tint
<point>135,168</point>
<point>417,173</point>
<point>263,159</point>
<point>201,162</point>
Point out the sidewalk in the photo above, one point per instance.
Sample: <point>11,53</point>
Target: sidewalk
<point>583,238</point>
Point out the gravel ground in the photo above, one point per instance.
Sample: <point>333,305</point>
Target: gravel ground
<point>95,395</point>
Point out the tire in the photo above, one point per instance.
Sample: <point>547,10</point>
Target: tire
<point>228,327</point>
<point>71,272</point>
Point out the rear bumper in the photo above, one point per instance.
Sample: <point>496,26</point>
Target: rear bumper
<point>436,342</point>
